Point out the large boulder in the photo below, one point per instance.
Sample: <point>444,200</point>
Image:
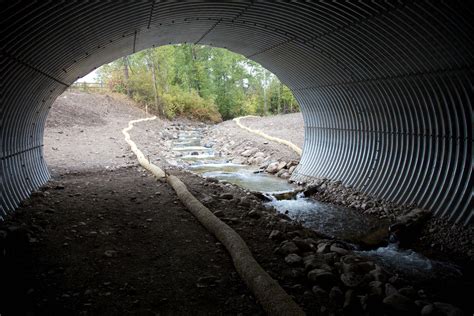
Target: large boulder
<point>408,226</point>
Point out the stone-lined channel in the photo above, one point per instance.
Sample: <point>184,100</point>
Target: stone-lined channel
<point>333,221</point>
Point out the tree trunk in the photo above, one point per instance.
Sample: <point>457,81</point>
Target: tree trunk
<point>155,89</point>
<point>126,75</point>
<point>195,80</point>
<point>265,92</point>
<point>279,98</point>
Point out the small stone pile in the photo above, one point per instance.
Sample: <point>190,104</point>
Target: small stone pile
<point>436,233</point>
<point>343,282</point>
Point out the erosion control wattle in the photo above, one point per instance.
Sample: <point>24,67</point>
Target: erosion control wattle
<point>274,300</point>
<point>262,134</point>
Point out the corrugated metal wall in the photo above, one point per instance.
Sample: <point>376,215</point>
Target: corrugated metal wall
<point>385,86</point>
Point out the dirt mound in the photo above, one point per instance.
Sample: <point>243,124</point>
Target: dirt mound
<point>83,109</point>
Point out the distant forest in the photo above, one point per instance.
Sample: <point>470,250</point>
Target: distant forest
<point>199,82</point>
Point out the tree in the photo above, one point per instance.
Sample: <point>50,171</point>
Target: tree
<point>198,81</point>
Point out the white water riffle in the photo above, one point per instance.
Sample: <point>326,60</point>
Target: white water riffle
<point>412,263</point>
<point>332,220</point>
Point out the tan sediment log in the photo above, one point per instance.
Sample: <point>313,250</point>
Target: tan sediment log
<point>262,134</point>
<point>140,156</point>
<point>274,300</point>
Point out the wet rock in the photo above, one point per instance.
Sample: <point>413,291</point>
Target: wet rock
<point>351,304</point>
<point>352,280</point>
<point>293,259</point>
<point>390,289</point>
<point>313,262</point>
<point>408,291</point>
<point>408,226</point>
<point>330,258</point>
<point>280,172</point>
<point>254,214</point>
<point>302,244</point>
<point>340,251</point>
<point>286,248</point>
<point>291,163</point>
<point>245,202</point>
<point>276,235</point>
<point>281,165</point>
<point>323,247</point>
<point>272,168</point>
<point>291,170</point>
<point>378,274</point>
<point>376,288</point>
<point>336,295</point>
<point>358,265</point>
<point>319,292</point>
<point>322,278</point>
<point>447,309</point>
<point>375,238</point>
<point>226,196</point>
<point>212,180</point>
<point>283,216</point>
<point>398,304</point>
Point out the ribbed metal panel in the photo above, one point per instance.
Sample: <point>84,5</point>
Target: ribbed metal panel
<point>385,87</point>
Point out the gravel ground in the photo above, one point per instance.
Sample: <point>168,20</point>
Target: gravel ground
<point>286,126</point>
<point>231,140</point>
<point>94,131</point>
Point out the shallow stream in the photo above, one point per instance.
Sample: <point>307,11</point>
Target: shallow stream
<point>331,220</point>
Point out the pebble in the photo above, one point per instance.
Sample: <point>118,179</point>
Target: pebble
<point>322,277</point>
<point>323,247</point>
<point>226,196</point>
<point>276,235</point>
<point>447,309</point>
<point>293,259</point>
<point>336,295</point>
<point>110,253</point>
<point>390,289</point>
<point>286,248</point>
<point>254,214</point>
<point>219,213</point>
<point>400,304</point>
<point>340,251</point>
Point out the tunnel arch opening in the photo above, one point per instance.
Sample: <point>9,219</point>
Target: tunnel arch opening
<point>385,89</point>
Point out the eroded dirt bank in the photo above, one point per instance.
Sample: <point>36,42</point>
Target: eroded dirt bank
<point>104,237</point>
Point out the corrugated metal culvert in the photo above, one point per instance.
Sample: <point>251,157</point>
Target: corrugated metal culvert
<point>385,86</point>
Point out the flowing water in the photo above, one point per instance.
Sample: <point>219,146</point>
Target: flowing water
<point>335,221</point>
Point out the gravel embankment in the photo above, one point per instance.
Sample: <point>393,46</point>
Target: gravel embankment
<point>285,126</point>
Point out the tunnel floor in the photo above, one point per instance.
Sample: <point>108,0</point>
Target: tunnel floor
<point>119,242</point>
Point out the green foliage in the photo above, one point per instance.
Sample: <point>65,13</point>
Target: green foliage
<point>198,82</point>
<point>188,103</point>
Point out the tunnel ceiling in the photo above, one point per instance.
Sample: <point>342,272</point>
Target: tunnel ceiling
<point>385,87</point>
